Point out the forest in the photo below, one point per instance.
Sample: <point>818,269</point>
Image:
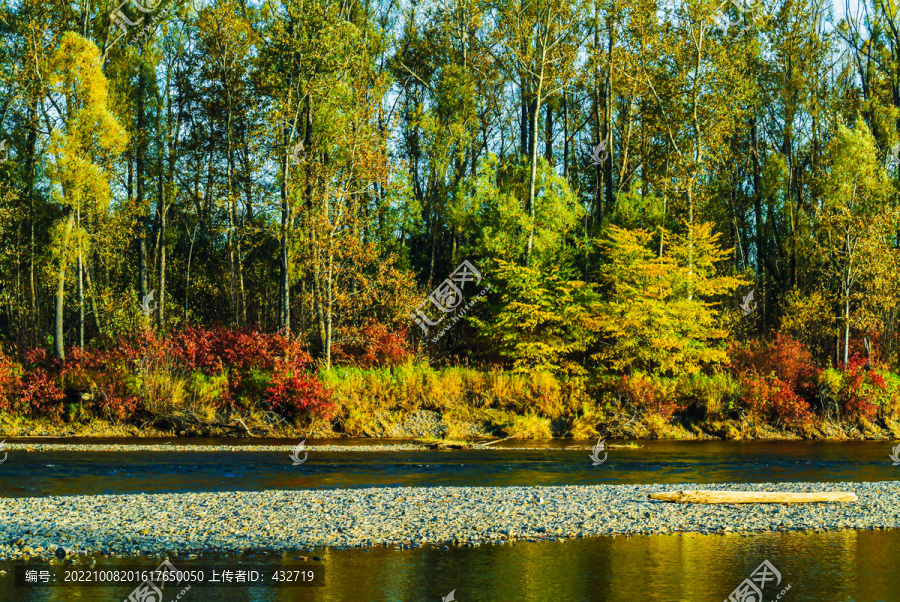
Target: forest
<point>535,218</point>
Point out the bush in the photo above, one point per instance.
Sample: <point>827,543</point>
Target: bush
<point>206,370</point>
<point>710,396</point>
<point>784,358</point>
<point>778,379</point>
<point>771,398</point>
<point>10,385</point>
<point>861,390</point>
<point>293,394</point>
<point>374,346</point>
<point>656,396</point>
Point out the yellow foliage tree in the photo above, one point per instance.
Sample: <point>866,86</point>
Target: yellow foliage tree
<point>661,313</point>
<point>85,138</point>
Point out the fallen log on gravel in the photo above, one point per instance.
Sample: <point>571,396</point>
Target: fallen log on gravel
<point>753,497</point>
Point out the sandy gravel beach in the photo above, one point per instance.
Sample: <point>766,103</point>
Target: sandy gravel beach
<point>313,447</point>
<point>232,522</point>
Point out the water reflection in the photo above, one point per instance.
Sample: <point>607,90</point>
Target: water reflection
<point>845,565</point>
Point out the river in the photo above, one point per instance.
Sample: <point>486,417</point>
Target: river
<point>841,565</point>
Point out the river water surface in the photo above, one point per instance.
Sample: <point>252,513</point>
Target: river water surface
<point>824,566</point>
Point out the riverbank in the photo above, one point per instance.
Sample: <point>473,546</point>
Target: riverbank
<point>292,521</point>
<point>249,446</point>
<point>437,426</point>
<point>254,397</point>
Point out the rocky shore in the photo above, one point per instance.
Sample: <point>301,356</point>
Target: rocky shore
<point>289,521</point>
<point>313,447</point>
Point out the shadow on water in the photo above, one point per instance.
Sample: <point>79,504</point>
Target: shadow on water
<point>86,472</point>
<point>845,565</point>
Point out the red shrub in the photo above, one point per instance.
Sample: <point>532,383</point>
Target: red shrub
<point>41,396</point>
<point>251,360</point>
<point>293,394</point>
<point>784,358</point>
<point>859,386</point>
<point>778,377</point>
<point>772,398</point>
<point>374,346</point>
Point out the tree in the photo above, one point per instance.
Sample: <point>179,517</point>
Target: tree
<point>541,37</point>
<point>85,139</point>
<point>661,312</point>
<point>857,225</point>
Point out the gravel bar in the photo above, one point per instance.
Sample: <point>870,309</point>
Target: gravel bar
<point>312,447</point>
<point>290,521</point>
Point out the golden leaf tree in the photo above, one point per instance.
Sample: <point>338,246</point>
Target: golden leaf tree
<point>661,312</point>
<point>84,139</point>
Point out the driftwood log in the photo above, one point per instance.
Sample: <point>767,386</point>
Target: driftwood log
<point>753,497</point>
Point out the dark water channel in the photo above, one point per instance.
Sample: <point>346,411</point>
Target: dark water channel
<point>88,472</point>
<point>844,565</point>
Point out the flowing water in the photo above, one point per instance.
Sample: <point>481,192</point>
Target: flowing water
<point>843,565</point>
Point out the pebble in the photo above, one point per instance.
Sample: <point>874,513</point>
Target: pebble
<point>311,447</point>
<point>403,517</point>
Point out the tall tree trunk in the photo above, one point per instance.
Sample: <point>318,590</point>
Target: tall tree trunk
<point>161,305</point>
<point>30,147</point>
<point>187,279</point>
<point>532,140</point>
<point>79,267</point>
<point>59,350</point>
<point>548,135</point>
<point>565,135</point>
<point>608,125</point>
<point>92,293</point>
<point>757,211</point>
<point>139,177</point>
<point>232,216</point>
